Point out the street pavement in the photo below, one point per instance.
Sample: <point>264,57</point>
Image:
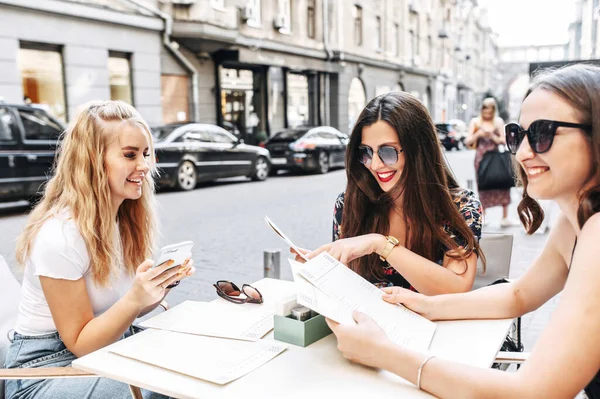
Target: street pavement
<point>226,222</point>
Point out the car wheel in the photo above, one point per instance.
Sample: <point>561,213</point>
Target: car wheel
<point>323,165</point>
<point>261,169</point>
<point>187,176</point>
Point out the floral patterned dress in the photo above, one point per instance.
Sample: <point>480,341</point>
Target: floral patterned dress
<point>468,206</point>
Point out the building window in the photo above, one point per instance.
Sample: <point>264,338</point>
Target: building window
<point>411,46</point>
<point>175,91</point>
<point>396,39</point>
<point>119,70</point>
<point>430,50</point>
<point>283,20</point>
<point>252,13</point>
<point>358,39</point>
<point>42,77</point>
<point>311,19</point>
<point>218,4</point>
<point>378,33</point>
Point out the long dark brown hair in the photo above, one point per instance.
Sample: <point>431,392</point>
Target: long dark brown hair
<point>426,186</point>
<point>579,85</point>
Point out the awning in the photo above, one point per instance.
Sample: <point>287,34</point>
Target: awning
<point>279,59</point>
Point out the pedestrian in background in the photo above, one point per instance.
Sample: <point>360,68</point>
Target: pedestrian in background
<point>557,147</point>
<point>485,135</point>
<point>403,220</point>
<point>85,250</point>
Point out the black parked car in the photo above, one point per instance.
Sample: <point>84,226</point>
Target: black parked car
<point>314,149</point>
<point>188,154</point>
<point>28,140</point>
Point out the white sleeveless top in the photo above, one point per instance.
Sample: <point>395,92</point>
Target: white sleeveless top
<point>59,252</point>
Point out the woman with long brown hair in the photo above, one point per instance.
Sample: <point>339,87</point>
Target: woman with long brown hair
<point>557,149</point>
<point>85,250</point>
<point>403,221</point>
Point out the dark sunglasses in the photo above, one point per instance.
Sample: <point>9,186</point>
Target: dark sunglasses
<point>387,154</point>
<point>540,134</point>
<point>229,291</point>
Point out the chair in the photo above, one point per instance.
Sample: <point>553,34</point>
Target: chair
<point>497,248</point>
<point>10,296</point>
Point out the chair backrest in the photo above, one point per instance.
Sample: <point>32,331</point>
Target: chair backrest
<point>497,248</point>
<point>10,297</point>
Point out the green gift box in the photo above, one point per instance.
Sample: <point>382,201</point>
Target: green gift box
<point>301,333</point>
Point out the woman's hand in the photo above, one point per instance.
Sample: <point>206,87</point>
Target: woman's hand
<point>414,301</point>
<point>149,284</point>
<point>365,342</point>
<point>347,249</point>
<point>299,258</point>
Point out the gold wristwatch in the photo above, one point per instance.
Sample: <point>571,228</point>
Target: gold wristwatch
<point>391,243</point>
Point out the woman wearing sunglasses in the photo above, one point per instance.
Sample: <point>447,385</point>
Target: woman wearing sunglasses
<point>84,250</point>
<point>557,149</point>
<point>403,221</point>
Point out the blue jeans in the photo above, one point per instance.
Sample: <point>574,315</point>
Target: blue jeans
<point>49,351</point>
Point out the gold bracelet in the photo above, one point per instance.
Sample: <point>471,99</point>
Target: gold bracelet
<point>421,369</point>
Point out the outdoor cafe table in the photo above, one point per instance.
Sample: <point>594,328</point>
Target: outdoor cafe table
<point>310,372</point>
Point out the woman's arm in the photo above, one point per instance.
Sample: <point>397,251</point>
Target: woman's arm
<point>544,279</point>
<point>73,316</point>
<point>474,134</point>
<point>565,359</point>
<point>499,138</point>
<point>428,277</point>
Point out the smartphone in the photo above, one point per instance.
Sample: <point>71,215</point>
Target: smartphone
<point>177,252</point>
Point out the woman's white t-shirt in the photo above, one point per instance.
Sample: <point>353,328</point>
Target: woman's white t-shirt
<point>59,252</point>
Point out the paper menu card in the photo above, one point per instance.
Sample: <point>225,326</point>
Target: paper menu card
<point>207,358</point>
<point>350,292</point>
<point>287,240</point>
<point>247,322</point>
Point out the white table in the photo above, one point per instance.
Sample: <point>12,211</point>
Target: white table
<point>310,372</point>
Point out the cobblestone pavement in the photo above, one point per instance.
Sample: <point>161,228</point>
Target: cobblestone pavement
<point>225,221</point>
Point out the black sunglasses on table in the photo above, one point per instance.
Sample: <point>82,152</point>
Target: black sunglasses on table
<point>229,291</point>
<point>387,154</point>
<point>540,134</point>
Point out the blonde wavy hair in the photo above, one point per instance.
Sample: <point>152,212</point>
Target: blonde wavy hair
<point>80,185</point>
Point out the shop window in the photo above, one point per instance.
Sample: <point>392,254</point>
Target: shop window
<point>297,100</point>
<point>42,77</point>
<point>175,98</point>
<point>356,101</point>
<point>119,69</point>
<point>311,19</point>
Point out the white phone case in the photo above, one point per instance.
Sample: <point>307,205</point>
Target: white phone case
<point>177,252</point>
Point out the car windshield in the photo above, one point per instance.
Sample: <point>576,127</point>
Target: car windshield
<point>289,135</point>
<point>161,132</point>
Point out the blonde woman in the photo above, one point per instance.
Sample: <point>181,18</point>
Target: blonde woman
<point>485,134</point>
<point>85,250</point>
